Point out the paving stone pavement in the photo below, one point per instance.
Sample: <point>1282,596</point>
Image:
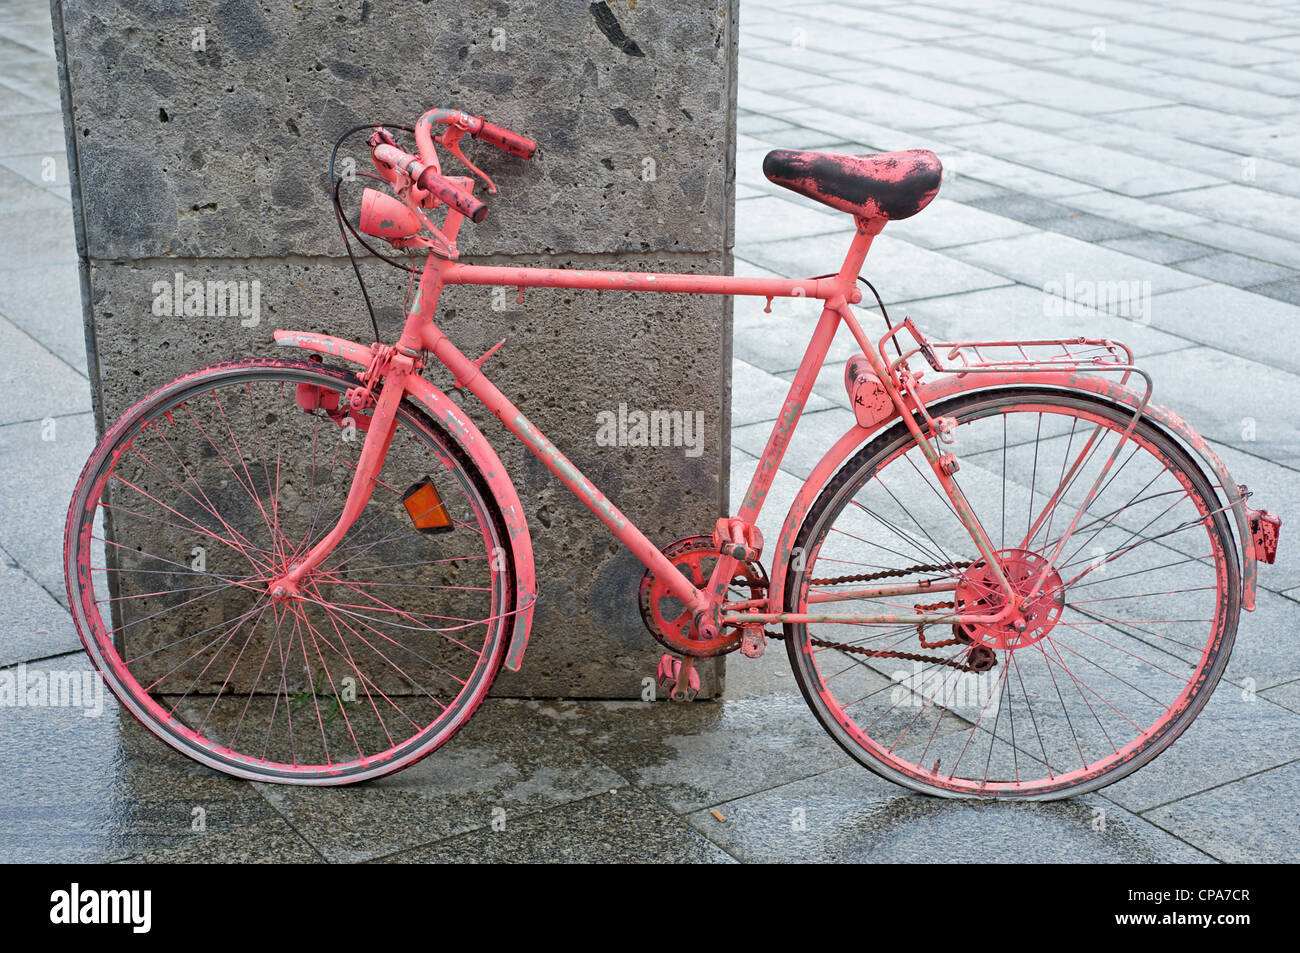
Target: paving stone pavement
<point>1156,142</point>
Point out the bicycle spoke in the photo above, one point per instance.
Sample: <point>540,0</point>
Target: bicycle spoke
<point>369,659</point>
<point>1117,632</point>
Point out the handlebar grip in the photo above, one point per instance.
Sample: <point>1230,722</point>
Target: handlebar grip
<point>452,195</point>
<point>504,139</point>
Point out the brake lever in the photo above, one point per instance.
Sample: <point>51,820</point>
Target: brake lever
<point>450,140</point>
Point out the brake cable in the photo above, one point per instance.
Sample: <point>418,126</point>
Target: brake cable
<point>345,226</point>
<point>879,301</point>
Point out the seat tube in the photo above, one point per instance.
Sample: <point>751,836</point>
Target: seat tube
<point>813,359</point>
<point>868,229</point>
<point>795,399</point>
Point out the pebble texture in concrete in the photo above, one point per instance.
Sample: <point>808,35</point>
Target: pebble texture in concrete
<point>200,135</point>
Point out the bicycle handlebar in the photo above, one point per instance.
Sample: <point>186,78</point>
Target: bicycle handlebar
<point>451,194</point>
<point>426,172</point>
<point>504,139</point>
<point>476,126</point>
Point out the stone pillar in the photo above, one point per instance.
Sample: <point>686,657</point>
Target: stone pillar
<point>198,135</point>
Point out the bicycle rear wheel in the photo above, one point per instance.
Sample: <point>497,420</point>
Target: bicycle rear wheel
<point>1123,646</point>
<point>213,484</point>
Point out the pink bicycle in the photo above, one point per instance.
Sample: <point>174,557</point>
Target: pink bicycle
<point>1014,576</point>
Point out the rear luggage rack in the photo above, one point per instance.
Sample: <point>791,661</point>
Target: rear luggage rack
<point>1049,355</point>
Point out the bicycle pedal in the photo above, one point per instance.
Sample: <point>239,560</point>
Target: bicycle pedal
<point>734,537</point>
<point>669,674</point>
<point>666,675</point>
<point>754,642</point>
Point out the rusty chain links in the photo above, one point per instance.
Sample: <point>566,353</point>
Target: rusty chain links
<point>882,653</point>
<point>889,573</point>
<point>888,653</point>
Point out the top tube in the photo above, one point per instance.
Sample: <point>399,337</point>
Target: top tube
<point>456,273</point>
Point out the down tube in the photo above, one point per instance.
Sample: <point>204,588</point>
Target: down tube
<point>570,475</point>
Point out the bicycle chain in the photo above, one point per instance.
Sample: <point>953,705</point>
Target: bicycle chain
<point>889,573</point>
<point>888,653</point>
<point>920,626</point>
<point>930,607</point>
<point>881,653</point>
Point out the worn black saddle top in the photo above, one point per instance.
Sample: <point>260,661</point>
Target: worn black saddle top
<point>886,185</point>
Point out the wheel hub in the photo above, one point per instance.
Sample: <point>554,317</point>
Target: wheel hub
<point>282,588</point>
<point>978,591</point>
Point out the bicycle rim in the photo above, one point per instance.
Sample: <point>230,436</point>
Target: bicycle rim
<point>217,482</point>
<point>1127,640</point>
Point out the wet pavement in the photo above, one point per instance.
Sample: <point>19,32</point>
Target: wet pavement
<point>1149,142</point>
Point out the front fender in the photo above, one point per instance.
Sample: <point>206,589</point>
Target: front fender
<point>952,385</point>
<point>443,409</point>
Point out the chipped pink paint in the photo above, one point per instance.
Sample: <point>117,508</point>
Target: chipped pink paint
<point>874,189</point>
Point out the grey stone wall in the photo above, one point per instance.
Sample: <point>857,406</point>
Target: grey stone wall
<point>198,135</point>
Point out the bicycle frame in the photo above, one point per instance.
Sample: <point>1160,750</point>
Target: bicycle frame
<point>400,364</point>
<point>920,400</point>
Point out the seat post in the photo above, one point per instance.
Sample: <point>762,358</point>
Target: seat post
<point>868,229</point>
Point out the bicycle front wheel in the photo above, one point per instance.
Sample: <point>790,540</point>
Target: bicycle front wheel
<point>1123,643</point>
<point>216,483</point>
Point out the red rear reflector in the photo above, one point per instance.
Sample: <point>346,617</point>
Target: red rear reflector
<point>426,508</point>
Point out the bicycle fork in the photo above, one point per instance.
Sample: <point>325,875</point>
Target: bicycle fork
<point>395,368</point>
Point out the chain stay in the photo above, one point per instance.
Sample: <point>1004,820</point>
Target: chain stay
<point>887,653</point>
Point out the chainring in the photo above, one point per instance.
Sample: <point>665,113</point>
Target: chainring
<point>669,620</point>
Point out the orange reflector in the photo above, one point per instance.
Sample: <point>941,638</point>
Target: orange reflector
<point>425,506</point>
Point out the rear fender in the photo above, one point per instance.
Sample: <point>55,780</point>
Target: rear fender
<point>444,410</point>
<point>932,392</point>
